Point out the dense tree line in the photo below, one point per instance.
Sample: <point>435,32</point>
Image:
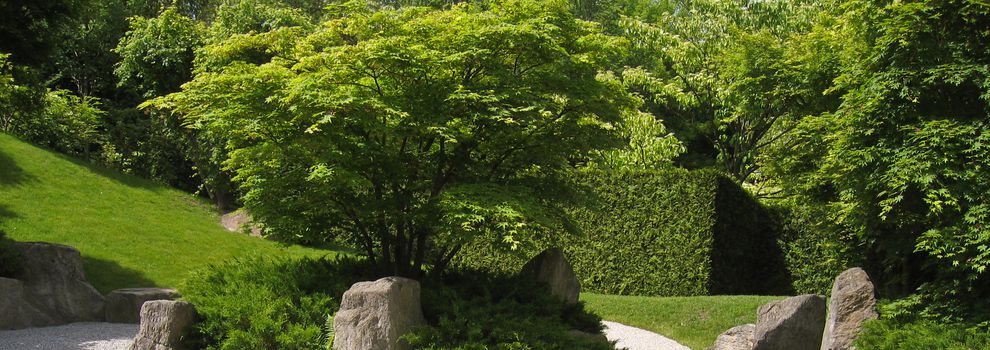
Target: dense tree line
<point>407,127</point>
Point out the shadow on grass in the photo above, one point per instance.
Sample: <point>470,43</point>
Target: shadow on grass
<point>10,173</point>
<point>6,213</point>
<point>107,275</point>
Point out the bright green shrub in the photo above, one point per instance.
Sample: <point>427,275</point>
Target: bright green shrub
<point>478,310</point>
<point>888,334</point>
<point>671,232</point>
<point>262,303</point>
<point>10,259</point>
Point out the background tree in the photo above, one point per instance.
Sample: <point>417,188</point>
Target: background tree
<point>381,125</point>
<point>29,29</point>
<point>716,73</point>
<point>910,153</point>
<point>898,152</point>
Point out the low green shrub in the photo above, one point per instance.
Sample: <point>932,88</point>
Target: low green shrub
<point>478,310</point>
<point>887,334</point>
<point>10,259</point>
<point>265,303</point>
<point>934,317</point>
<point>667,233</point>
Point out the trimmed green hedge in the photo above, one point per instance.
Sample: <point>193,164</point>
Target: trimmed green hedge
<point>667,233</point>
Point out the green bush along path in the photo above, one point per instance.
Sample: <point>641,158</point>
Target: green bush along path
<point>131,232</point>
<point>692,321</point>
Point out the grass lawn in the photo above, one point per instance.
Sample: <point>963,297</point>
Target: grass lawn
<point>132,232</point>
<point>692,321</point>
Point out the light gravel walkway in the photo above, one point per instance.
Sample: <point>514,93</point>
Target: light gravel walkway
<point>115,336</point>
<point>74,336</point>
<point>633,338</point>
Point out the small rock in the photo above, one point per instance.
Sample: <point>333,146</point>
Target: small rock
<point>795,323</point>
<point>736,338</point>
<point>853,302</point>
<point>55,284</point>
<point>552,268</point>
<point>163,325</point>
<point>374,315</point>
<point>124,305</point>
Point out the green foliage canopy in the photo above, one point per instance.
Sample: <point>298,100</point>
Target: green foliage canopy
<point>911,153</point>
<point>378,126</point>
<point>157,53</point>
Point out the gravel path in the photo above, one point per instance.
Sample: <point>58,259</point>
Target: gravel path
<point>633,338</point>
<point>115,336</point>
<point>75,336</point>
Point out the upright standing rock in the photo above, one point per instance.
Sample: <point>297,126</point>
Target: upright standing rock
<point>853,302</point>
<point>55,284</point>
<point>124,305</point>
<point>795,323</point>
<point>552,268</point>
<point>373,315</point>
<point>163,323</point>
<point>736,338</point>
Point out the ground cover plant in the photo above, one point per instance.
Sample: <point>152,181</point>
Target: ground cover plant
<point>470,309</point>
<point>270,303</point>
<point>692,321</point>
<point>132,232</point>
<point>276,303</point>
<point>919,335</point>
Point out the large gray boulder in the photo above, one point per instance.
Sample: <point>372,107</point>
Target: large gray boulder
<point>373,315</point>
<point>55,283</point>
<point>736,338</point>
<point>853,302</point>
<point>163,325</point>
<point>124,305</point>
<point>552,268</point>
<point>16,311</point>
<point>795,323</point>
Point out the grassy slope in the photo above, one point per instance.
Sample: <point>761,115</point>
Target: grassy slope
<point>131,232</point>
<point>692,321</point>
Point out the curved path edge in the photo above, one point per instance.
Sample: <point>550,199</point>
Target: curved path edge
<point>632,338</point>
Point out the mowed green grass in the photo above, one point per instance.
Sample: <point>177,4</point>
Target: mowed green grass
<point>692,321</point>
<point>132,232</point>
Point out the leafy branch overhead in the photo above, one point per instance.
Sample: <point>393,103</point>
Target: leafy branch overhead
<point>376,127</point>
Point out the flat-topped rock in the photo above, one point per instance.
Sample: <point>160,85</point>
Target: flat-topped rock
<point>124,305</point>
<point>374,315</point>
<point>15,310</point>
<point>55,284</point>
